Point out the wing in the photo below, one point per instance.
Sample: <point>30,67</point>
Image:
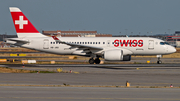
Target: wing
<point>84,47</point>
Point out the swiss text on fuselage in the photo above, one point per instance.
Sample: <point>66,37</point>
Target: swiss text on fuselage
<point>130,43</point>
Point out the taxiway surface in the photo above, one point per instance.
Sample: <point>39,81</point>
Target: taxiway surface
<point>87,94</point>
<point>24,86</point>
<point>115,74</point>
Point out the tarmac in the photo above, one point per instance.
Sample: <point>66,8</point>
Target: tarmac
<point>8,93</point>
<point>148,82</point>
<point>107,74</point>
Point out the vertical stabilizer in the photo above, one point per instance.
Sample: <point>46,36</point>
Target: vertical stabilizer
<point>23,26</point>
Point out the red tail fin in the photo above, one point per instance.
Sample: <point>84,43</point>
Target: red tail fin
<point>23,26</point>
<point>21,23</point>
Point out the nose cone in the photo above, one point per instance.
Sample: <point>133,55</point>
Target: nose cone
<point>171,49</point>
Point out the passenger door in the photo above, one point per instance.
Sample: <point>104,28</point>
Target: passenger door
<point>46,44</point>
<point>151,44</point>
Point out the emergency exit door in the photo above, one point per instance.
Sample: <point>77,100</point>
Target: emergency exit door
<point>151,44</point>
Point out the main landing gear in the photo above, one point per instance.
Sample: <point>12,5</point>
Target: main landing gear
<point>96,60</point>
<point>159,61</point>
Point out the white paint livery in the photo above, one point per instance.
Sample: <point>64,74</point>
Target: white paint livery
<point>23,35</point>
<point>109,48</point>
<point>14,9</point>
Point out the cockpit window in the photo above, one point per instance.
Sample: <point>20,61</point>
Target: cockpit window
<point>164,43</point>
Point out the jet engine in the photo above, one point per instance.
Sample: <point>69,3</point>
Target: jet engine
<point>127,58</point>
<point>116,55</point>
<point>113,55</point>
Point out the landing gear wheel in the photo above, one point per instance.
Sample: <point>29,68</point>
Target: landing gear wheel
<point>159,62</point>
<point>91,61</point>
<point>97,60</point>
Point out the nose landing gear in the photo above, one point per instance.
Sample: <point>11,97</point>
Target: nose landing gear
<point>159,61</point>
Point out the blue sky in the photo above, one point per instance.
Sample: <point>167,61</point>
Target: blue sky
<point>115,17</point>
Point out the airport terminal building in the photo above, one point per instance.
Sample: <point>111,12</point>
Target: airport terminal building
<point>75,33</point>
<point>173,39</point>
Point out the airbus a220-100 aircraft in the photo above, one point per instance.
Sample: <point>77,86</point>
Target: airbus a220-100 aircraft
<point>109,48</point>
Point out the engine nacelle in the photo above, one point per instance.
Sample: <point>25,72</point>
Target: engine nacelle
<point>126,57</point>
<point>113,55</point>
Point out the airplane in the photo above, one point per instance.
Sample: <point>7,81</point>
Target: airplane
<point>108,48</point>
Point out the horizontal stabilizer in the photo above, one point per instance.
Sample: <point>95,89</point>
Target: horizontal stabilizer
<point>17,40</point>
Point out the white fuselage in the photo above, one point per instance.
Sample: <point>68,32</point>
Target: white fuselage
<point>129,45</point>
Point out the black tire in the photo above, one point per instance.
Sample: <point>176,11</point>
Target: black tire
<point>91,61</point>
<point>159,62</point>
<point>97,60</point>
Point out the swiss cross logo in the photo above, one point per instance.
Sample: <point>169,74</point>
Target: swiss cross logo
<point>55,38</point>
<point>21,22</point>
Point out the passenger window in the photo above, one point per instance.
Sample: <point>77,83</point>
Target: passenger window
<point>85,42</point>
<point>53,42</point>
<point>99,42</point>
<point>90,42</point>
<point>93,42</point>
<point>103,42</point>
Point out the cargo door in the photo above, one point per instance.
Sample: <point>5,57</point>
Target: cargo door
<point>46,44</point>
<point>151,44</point>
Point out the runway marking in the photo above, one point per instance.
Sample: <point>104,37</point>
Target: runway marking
<point>78,98</point>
